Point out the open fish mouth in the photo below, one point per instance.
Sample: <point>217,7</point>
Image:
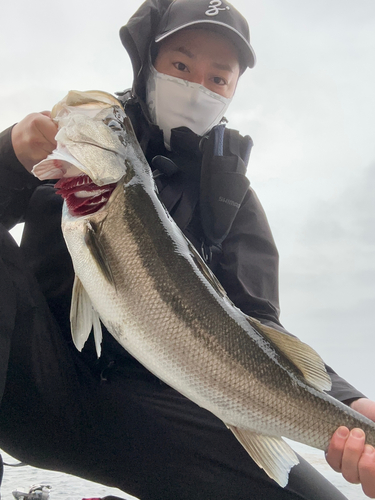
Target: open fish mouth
<point>82,195</point>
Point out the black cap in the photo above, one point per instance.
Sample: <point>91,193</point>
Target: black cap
<point>215,15</point>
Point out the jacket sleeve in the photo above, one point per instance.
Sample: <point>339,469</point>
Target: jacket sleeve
<point>248,270</point>
<point>16,183</point>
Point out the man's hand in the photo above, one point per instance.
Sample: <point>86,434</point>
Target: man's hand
<point>33,138</point>
<point>348,454</point>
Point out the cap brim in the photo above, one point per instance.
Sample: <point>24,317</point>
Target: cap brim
<point>246,50</point>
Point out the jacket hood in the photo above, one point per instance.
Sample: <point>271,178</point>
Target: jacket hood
<point>138,35</point>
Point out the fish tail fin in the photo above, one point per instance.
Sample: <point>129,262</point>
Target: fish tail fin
<point>270,453</point>
<point>83,318</point>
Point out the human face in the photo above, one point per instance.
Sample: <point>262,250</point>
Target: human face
<point>200,56</point>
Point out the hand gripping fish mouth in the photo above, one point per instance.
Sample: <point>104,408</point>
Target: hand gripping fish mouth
<point>138,275</point>
<point>90,156</point>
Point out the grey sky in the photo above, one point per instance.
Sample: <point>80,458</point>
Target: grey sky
<point>309,106</point>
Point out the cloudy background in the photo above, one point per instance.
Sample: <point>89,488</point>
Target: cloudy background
<point>309,106</point>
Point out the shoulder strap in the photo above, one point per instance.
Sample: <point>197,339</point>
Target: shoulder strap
<point>223,181</point>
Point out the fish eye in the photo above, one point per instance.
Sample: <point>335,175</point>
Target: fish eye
<point>113,124</point>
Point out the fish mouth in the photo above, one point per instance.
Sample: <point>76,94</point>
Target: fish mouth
<point>82,195</point>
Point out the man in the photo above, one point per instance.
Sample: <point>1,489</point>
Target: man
<point>110,420</point>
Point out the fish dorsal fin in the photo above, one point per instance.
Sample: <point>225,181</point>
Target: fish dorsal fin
<point>83,318</point>
<point>270,453</point>
<point>304,357</point>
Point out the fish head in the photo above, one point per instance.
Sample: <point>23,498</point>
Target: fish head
<point>90,139</point>
<point>92,146</point>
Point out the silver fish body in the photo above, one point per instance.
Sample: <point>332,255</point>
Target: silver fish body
<point>137,272</point>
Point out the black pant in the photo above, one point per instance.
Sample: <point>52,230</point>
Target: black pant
<point>111,420</point>
<point>1,471</point>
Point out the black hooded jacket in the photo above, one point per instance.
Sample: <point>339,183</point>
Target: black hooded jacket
<point>203,186</point>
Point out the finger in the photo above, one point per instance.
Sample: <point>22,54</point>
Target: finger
<point>33,139</point>
<point>353,450</point>
<point>364,406</point>
<point>48,129</point>
<point>366,469</point>
<point>336,447</point>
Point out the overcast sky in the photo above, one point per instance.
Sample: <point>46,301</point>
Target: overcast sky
<point>309,106</point>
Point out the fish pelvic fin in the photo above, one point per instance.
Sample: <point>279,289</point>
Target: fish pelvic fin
<point>304,357</point>
<point>272,454</point>
<point>83,317</point>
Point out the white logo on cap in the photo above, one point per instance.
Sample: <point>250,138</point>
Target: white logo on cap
<point>215,8</point>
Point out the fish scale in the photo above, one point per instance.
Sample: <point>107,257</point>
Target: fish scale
<point>137,273</point>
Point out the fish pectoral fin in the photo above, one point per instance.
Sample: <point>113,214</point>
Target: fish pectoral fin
<point>304,357</point>
<point>93,243</point>
<point>83,318</point>
<point>272,454</point>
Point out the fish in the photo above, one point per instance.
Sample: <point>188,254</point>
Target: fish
<point>137,273</point>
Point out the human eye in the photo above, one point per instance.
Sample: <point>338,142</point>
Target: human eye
<point>181,66</point>
<point>218,80</point>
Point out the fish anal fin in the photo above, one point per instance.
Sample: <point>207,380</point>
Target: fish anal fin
<point>272,454</point>
<point>304,357</point>
<point>96,249</point>
<point>83,318</point>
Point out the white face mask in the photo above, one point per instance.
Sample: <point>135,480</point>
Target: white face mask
<point>173,102</point>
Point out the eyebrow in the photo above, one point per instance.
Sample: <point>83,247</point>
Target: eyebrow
<point>217,65</point>
<point>185,51</point>
<point>224,67</point>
